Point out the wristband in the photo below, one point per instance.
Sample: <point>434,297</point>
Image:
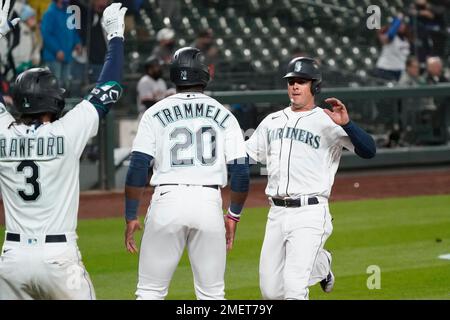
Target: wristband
<point>233,216</point>
<point>236,219</point>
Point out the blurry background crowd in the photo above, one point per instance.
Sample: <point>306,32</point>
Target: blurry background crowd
<point>248,45</point>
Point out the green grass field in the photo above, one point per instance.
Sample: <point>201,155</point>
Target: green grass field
<point>403,237</point>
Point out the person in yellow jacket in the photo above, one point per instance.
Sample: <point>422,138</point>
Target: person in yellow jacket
<point>40,6</point>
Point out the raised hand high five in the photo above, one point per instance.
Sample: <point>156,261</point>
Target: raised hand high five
<point>6,25</point>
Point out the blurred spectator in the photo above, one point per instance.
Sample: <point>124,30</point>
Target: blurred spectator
<point>409,107</point>
<point>165,49</point>
<point>4,90</point>
<point>59,41</point>
<point>166,45</point>
<point>411,76</point>
<point>151,87</point>
<point>40,6</point>
<point>26,53</point>
<point>172,10</point>
<point>394,137</point>
<point>434,73</point>
<point>205,43</point>
<point>93,37</point>
<point>431,19</point>
<point>396,48</point>
<point>436,109</point>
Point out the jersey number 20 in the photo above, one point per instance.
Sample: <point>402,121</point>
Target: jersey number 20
<point>189,141</point>
<point>32,179</point>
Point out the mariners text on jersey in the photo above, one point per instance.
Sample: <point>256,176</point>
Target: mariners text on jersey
<point>190,111</point>
<point>295,134</point>
<point>31,147</point>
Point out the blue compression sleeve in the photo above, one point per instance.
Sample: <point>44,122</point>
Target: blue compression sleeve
<point>393,29</point>
<point>108,83</point>
<point>131,209</point>
<point>113,66</point>
<point>239,174</point>
<point>239,181</point>
<point>362,141</point>
<point>137,176</point>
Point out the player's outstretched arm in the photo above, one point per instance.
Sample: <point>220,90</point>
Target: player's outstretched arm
<point>108,89</point>
<point>137,177</point>
<point>364,144</point>
<point>5,26</point>
<point>239,185</point>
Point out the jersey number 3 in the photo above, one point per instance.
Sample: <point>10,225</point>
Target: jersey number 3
<point>31,179</point>
<point>189,141</point>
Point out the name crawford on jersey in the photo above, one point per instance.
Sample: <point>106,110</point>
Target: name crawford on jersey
<point>31,147</point>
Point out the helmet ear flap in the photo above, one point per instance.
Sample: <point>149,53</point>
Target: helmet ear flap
<point>316,87</point>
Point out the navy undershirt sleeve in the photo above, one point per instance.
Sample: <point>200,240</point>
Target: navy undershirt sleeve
<point>113,66</point>
<point>112,69</point>
<point>362,141</point>
<point>137,176</point>
<point>239,181</point>
<point>239,174</point>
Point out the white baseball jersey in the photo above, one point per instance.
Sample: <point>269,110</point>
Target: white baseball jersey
<point>394,54</point>
<point>191,137</point>
<point>39,170</point>
<point>302,150</point>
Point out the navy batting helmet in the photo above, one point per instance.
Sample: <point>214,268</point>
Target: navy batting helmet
<point>37,91</point>
<point>305,68</point>
<point>188,68</point>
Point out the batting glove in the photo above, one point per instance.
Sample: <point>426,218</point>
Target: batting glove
<point>5,25</point>
<point>113,20</point>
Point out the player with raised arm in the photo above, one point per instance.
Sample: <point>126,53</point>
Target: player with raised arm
<point>301,146</point>
<point>191,140</point>
<point>39,174</point>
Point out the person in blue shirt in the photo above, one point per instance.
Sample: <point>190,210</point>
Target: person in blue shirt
<point>59,40</point>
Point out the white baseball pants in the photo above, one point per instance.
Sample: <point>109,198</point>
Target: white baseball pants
<point>178,217</point>
<point>292,255</point>
<point>32,269</point>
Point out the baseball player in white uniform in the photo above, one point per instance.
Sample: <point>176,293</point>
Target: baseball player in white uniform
<point>192,140</point>
<point>39,174</point>
<point>301,146</point>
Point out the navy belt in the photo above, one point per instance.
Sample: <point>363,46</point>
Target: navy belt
<point>15,237</point>
<point>214,186</point>
<point>293,203</point>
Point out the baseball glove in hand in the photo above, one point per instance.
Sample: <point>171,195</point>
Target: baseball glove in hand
<point>5,25</point>
<point>113,20</point>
